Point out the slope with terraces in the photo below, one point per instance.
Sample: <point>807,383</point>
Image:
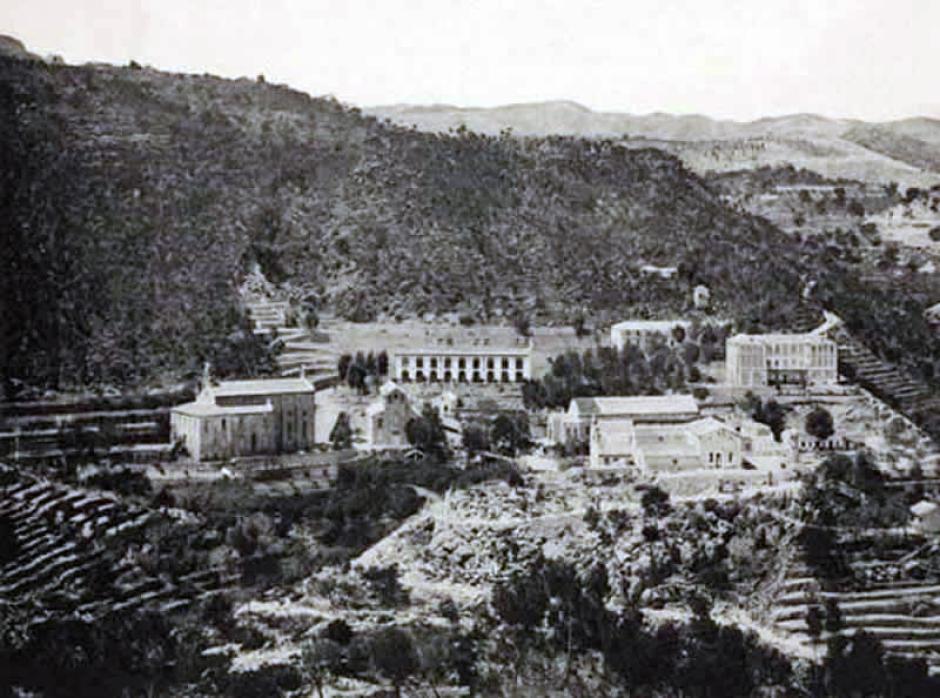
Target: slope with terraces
<point>70,551</point>
<point>129,428</point>
<point>859,364</point>
<point>892,595</point>
<point>304,350</point>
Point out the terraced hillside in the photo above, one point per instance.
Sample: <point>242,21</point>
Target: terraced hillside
<point>299,349</point>
<point>899,603</point>
<point>129,428</point>
<point>72,552</point>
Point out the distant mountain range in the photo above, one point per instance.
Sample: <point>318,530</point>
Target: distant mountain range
<point>907,150</point>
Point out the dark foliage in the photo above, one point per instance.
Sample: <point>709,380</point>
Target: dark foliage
<point>699,659</point>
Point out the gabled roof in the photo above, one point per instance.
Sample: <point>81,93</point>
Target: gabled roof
<point>924,508</point>
<point>646,404</point>
<point>663,326</point>
<point>263,386</point>
<point>210,409</point>
<point>390,387</point>
<point>780,338</point>
<point>635,406</point>
<point>708,425</point>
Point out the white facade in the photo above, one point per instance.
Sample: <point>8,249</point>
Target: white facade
<point>768,359</point>
<point>574,425</point>
<point>468,365</point>
<point>244,418</point>
<point>645,333</point>
<point>701,297</point>
<point>703,443</point>
<point>388,416</point>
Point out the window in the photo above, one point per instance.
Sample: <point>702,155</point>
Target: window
<point>419,362</point>
<point>461,363</point>
<point>447,363</point>
<point>505,363</point>
<point>519,364</point>
<point>476,362</point>
<point>433,362</point>
<point>223,425</point>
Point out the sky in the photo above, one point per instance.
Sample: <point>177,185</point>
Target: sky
<point>740,59</point>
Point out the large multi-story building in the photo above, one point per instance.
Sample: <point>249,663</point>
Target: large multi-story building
<point>645,333</point>
<point>754,360</point>
<point>247,417</point>
<point>463,365</point>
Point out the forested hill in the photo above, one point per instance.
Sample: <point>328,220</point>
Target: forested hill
<point>133,202</point>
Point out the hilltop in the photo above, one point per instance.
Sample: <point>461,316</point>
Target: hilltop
<point>904,151</point>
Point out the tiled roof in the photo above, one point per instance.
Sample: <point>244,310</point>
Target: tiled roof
<point>645,404</point>
<point>263,386</point>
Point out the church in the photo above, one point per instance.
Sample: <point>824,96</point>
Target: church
<point>229,419</point>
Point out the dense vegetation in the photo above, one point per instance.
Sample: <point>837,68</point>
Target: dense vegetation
<point>137,199</point>
<point>607,371</point>
<point>134,201</point>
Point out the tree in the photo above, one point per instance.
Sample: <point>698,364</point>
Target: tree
<point>426,433</point>
<point>814,622</point>
<point>341,435</point>
<point>382,363</point>
<point>318,660</point>
<point>475,439</point>
<point>510,433</point>
<point>655,501</point>
<point>522,324</point>
<point>771,413</point>
<point>819,424</point>
<point>342,365</point>
<point>393,656</point>
<point>833,622</point>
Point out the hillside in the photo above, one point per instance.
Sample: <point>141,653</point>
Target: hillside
<point>138,200</point>
<point>832,147</point>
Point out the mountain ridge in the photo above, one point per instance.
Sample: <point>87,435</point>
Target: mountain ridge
<point>874,152</point>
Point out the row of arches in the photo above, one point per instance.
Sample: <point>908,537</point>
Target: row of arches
<point>434,376</point>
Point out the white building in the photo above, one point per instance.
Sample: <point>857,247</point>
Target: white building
<point>645,333</point>
<point>665,447</point>
<point>574,425</point>
<point>926,516</point>
<point>246,417</point>
<point>701,297</point>
<point>463,365</point>
<point>387,417</point>
<point>754,360</point>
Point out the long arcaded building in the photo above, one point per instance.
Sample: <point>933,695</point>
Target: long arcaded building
<point>463,365</point>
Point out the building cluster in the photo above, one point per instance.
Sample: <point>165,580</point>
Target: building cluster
<point>256,417</point>
<point>661,433</point>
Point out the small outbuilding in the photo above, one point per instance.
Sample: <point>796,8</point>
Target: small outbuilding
<point>926,516</point>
